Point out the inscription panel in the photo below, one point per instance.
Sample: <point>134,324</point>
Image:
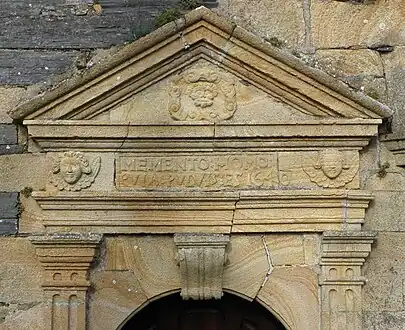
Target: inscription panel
<point>199,171</point>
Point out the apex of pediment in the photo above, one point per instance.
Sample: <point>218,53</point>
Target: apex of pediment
<point>233,69</point>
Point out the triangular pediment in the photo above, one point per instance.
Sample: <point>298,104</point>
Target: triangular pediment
<point>200,68</point>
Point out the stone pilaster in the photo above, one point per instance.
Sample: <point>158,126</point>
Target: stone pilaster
<point>341,281</point>
<point>66,259</point>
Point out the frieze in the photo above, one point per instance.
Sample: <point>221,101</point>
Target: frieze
<point>211,171</point>
<point>202,93</point>
<point>72,171</point>
<point>329,168</point>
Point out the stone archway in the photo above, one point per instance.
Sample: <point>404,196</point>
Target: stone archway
<point>230,312</point>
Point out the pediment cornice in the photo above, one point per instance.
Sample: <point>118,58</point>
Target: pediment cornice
<point>200,35</point>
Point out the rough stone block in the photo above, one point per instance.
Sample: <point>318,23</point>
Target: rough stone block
<point>280,22</point>
<point>117,294</point>
<point>361,69</point>
<point>394,64</point>
<point>19,264</point>
<point>9,98</point>
<point>21,171</point>
<point>337,24</point>
<point>385,273</point>
<point>383,320</point>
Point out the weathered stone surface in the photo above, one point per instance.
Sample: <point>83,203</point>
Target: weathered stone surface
<point>116,294</point>
<point>384,269</point>
<point>18,262</point>
<point>283,24</point>
<point>26,316</point>
<point>383,320</point>
<point>283,287</point>
<point>30,220</point>
<point>394,64</point>
<point>337,24</point>
<point>21,171</point>
<point>246,255</point>
<point>384,214</point>
<point>139,255</point>
<point>361,69</point>
<point>9,98</point>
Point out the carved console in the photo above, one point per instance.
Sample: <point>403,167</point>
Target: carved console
<point>341,281</point>
<point>66,259</point>
<point>201,258</point>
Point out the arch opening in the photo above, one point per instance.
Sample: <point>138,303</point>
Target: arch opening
<point>229,313</point>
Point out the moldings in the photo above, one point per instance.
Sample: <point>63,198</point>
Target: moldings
<point>72,171</point>
<point>66,259</point>
<point>343,255</point>
<point>331,168</point>
<point>201,258</point>
<point>202,93</point>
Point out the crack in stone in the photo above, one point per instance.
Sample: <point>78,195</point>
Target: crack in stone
<point>271,267</point>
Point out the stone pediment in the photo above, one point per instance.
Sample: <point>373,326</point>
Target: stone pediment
<point>200,68</point>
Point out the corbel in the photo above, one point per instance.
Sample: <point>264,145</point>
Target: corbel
<point>201,258</point>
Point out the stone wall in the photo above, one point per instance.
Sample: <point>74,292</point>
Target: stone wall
<point>42,43</point>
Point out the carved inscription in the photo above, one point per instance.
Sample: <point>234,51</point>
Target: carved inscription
<point>198,171</point>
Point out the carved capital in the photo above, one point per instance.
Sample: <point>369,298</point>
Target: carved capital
<point>343,255</point>
<point>201,259</point>
<point>66,258</point>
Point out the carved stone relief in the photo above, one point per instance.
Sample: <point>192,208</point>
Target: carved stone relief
<point>202,93</point>
<point>72,171</point>
<point>201,258</point>
<point>331,168</point>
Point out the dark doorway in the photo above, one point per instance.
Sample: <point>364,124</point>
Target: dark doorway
<point>229,313</point>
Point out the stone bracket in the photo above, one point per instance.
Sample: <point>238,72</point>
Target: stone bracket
<point>201,258</point>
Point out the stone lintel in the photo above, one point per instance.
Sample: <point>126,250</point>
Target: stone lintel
<point>201,258</point>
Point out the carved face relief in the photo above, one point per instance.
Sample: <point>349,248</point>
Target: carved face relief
<point>331,163</point>
<point>202,93</point>
<point>72,171</point>
<point>331,168</point>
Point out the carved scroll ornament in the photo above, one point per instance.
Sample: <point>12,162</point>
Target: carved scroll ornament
<point>331,168</point>
<point>212,96</point>
<point>72,171</point>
